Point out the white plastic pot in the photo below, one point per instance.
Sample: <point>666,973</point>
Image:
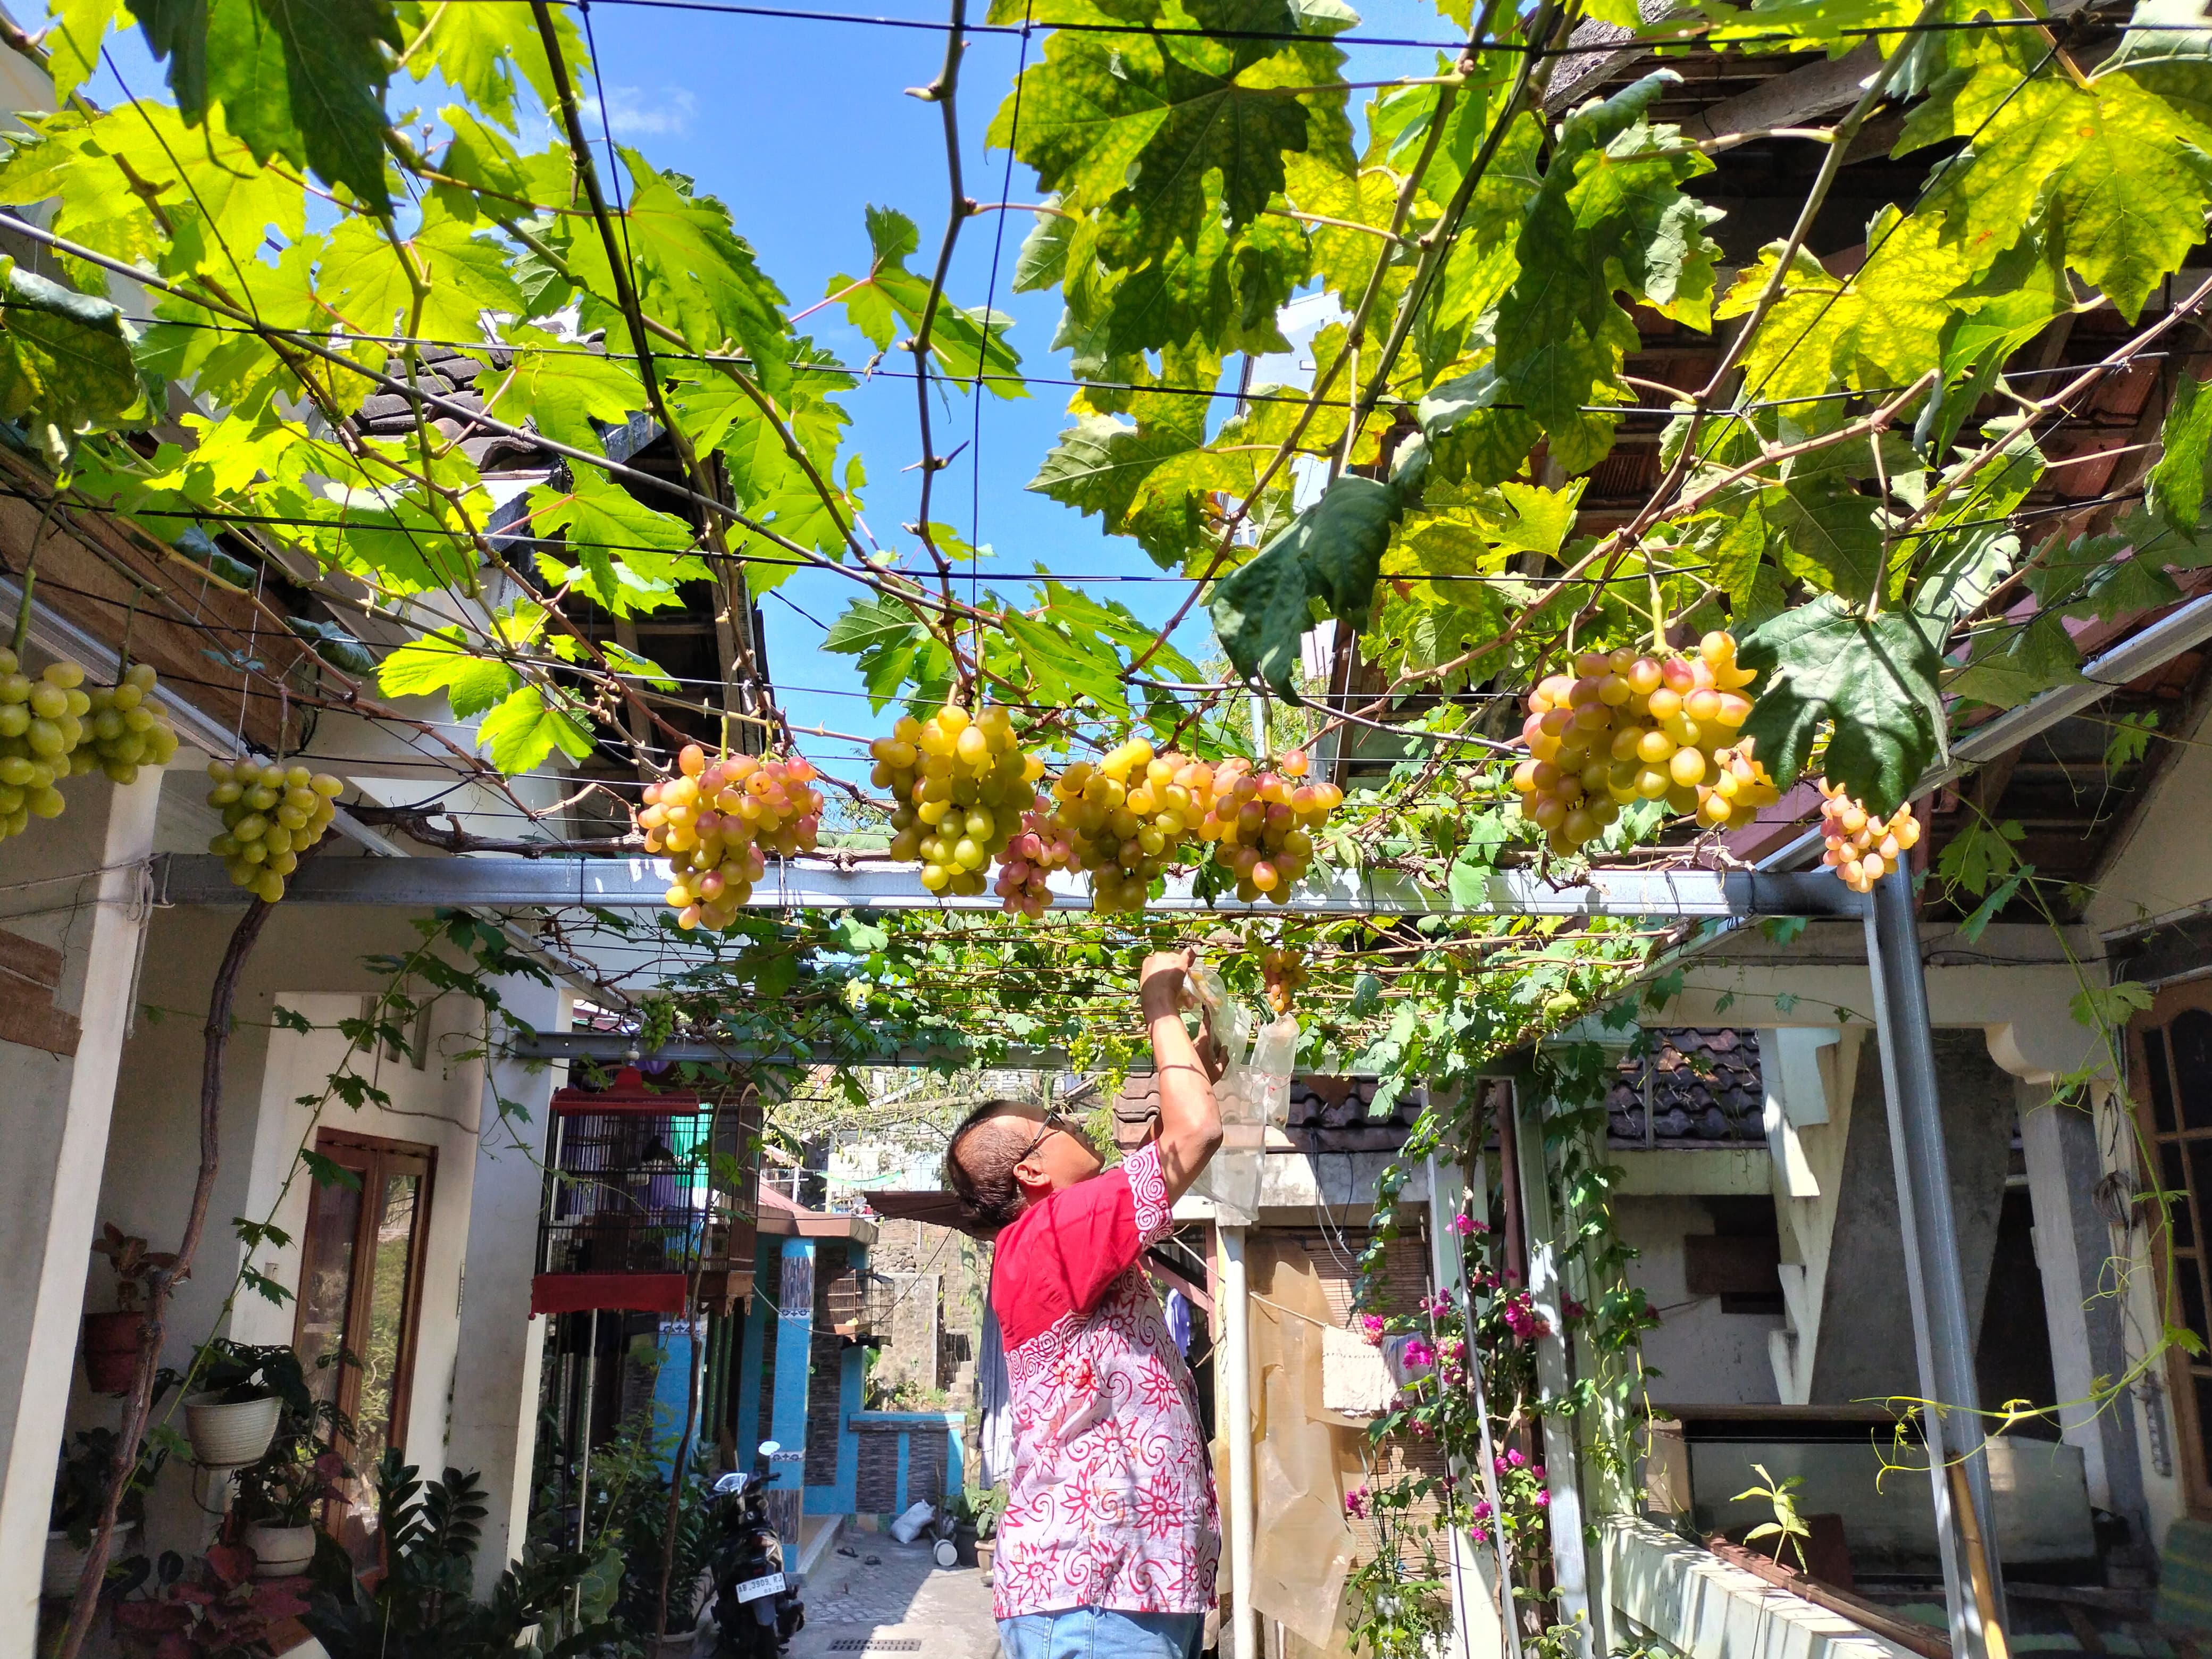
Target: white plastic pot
<point>224,1437</point>
<point>281,1551</point>
<point>65,1562</point>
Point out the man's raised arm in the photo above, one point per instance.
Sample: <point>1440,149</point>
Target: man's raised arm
<point>1190,1122</point>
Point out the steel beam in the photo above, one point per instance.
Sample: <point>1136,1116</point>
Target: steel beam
<point>1934,1281</point>
<point>619,1049</point>
<point>640,883</point>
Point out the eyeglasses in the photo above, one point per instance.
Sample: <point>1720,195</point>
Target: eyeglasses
<point>1054,1122</point>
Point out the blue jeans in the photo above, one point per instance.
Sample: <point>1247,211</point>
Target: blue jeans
<point>1102,1633</point>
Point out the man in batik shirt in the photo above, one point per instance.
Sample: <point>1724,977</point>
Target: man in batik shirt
<point>1110,1538</point>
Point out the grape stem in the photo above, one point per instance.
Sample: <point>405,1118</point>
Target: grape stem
<point>22,634</point>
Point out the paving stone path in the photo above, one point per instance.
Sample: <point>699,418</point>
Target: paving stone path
<point>901,1606</point>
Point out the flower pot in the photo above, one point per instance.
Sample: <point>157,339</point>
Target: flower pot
<point>986,1550</point>
<point>280,1551</point>
<point>64,1561</point>
<point>224,1437</point>
<point>965,1543</point>
<point>111,1350</point>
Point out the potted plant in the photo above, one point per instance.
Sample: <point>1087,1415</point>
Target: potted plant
<point>989,1506</point>
<point>111,1339</point>
<point>243,1392</point>
<point>219,1613</point>
<point>960,1510</point>
<point>277,1498</point>
<point>80,1493</point>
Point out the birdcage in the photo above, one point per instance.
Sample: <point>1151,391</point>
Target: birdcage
<point>648,1191</point>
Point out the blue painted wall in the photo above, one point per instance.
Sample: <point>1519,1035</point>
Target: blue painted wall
<point>794,1344</point>
<point>753,1344</point>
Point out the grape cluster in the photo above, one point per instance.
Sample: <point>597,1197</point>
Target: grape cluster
<point>962,783</point>
<point>271,815</point>
<point>127,728</point>
<point>1626,726</point>
<point>713,818</point>
<point>1261,823</point>
<point>1034,854</point>
<point>1862,847</point>
<point>1134,812</point>
<point>41,724</point>
<point>1283,972</point>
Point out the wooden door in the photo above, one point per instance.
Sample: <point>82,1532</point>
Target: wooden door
<point>360,1307</point>
<point>2172,1066</point>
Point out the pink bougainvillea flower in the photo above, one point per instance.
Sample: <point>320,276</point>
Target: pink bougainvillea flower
<point>1372,1325</point>
<point>1355,1503</point>
<point>1418,1354</point>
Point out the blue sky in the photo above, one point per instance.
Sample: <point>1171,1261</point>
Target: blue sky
<point>797,125</point>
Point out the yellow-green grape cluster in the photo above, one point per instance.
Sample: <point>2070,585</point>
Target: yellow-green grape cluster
<point>1737,785</point>
<point>962,783</point>
<point>1261,823</point>
<point>127,728</point>
<point>713,819</point>
<point>271,815</point>
<point>1124,817</point>
<point>1283,972</point>
<point>41,724</point>
<point>1862,847</point>
<point>1626,726</point>
<point>1032,855</point>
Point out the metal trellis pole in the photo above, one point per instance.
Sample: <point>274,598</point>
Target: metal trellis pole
<point>1941,1333</point>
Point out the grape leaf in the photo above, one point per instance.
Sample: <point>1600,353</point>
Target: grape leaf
<point>607,525</point>
<point>1142,125</point>
<point>489,54</point>
<point>1873,678</point>
<point>1609,217</point>
<point>302,79</point>
<point>1063,668</point>
<point>525,728</point>
<point>73,40</point>
<point>440,661</point>
<point>65,362</point>
<point>2120,171</point>
<point>2175,491</point>
<point>966,344</point>
<point>2010,663</point>
<point>1329,554</point>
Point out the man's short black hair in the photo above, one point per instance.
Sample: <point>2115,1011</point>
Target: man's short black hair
<point>982,1177</point>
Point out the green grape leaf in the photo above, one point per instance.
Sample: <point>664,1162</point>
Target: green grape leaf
<point>65,361</point>
<point>2120,172</point>
<point>1139,125</point>
<point>1875,680</point>
<point>302,79</point>
<point>2010,663</point>
<point>1609,217</point>
<point>73,40</point>
<point>1880,326</point>
<point>887,638</point>
<point>966,344</point>
<point>1830,536</point>
<point>1329,554</point>
<point>1473,440</point>
<point>607,526</point>
<point>442,661</point>
<point>527,727</point>
<point>1100,466</point>
<point>490,54</point>
<point>695,273</point>
<point>2176,491</point>
<point>565,394</point>
<point>1063,668</point>
<point>334,645</point>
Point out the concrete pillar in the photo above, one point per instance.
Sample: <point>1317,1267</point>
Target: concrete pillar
<point>2073,1251</point>
<point>794,1358</point>
<point>493,1427</point>
<point>59,1099</point>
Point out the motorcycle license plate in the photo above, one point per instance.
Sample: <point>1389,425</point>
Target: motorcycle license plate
<point>753,1588</point>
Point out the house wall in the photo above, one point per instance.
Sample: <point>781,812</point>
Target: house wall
<point>2161,865</point>
<point>1702,1355</point>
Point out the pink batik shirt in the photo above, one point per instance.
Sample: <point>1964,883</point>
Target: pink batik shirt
<point>1110,1499</point>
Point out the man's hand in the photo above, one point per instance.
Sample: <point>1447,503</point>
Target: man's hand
<point>1160,981</point>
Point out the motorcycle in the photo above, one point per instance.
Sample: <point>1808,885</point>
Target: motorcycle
<point>756,1602</point>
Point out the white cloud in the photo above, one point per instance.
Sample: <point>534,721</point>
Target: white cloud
<point>633,113</point>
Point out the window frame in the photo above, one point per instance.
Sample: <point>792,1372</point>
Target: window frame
<point>2192,1459</point>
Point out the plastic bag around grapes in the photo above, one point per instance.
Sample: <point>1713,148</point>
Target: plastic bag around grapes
<point>1267,1074</point>
<point>1232,1028</point>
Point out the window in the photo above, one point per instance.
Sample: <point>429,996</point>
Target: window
<point>2175,1040</point>
<point>360,1293</point>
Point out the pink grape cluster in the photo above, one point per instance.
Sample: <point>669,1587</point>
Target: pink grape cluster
<point>713,820</point>
<point>1037,849</point>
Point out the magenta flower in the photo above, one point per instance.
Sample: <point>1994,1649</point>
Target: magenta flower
<point>1544,1499</point>
<point>1355,1503</point>
<point>1372,1326</point>
<point>1419,1355</point>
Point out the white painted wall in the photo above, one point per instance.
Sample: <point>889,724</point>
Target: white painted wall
<point>2162,868</point>
<point>1707,1357</point>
